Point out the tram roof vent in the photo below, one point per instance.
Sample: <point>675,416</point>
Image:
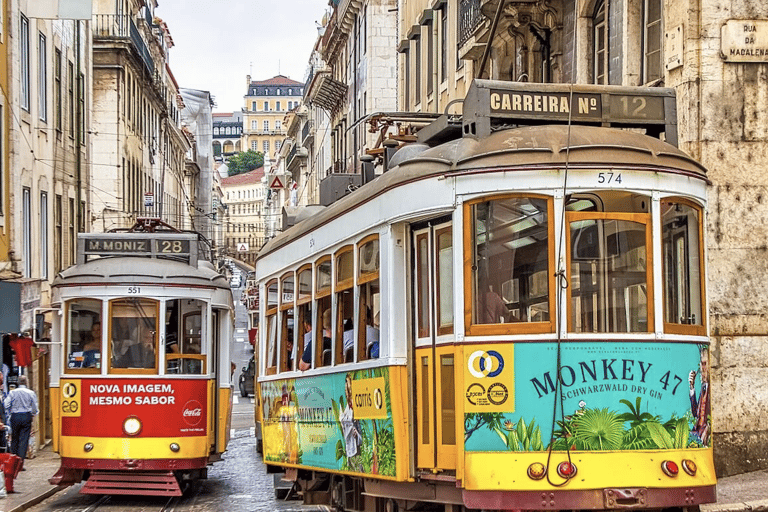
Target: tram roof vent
<point>492,105</point>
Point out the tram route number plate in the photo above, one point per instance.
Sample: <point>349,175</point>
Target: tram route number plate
<point>70,398</point>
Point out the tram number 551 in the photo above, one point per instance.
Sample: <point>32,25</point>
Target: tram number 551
<point>134,290</point>
<point>609,177</point>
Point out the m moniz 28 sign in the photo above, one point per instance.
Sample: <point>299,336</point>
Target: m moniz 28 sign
<point>135,246</point>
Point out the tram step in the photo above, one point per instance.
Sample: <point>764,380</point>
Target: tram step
<point>145,483</point>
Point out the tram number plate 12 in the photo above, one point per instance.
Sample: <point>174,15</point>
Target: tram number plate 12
<point>609,178</point>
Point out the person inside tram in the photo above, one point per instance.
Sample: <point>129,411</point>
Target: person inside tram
<point>92,346</point>
<point>349,340</point>
<point>306,357</point>
<point>124,337</point>
<point>371,336</point>
<point>494,308</point>
<point>305,365</point>
<point>141,354</point>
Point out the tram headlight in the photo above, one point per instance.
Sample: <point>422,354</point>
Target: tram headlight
<point>88,447</point>
<point>175,447</point>
<point>132,426</point>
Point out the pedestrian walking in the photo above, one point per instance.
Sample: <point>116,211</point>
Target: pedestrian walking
<point>3,418</point>
<point>21,404</point>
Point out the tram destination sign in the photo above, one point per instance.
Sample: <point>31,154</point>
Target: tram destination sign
<point>493,103</point>
<point>134,246</point>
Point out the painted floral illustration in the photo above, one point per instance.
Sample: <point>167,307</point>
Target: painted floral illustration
<point>593,429</point>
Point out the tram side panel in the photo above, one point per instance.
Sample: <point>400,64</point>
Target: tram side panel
<point>351,422</point>
<point>627,407</point>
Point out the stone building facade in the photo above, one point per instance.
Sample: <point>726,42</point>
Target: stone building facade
<point>245,195</point>
<point>139,150</point>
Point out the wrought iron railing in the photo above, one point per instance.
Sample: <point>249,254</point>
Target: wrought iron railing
<point>122,27</point>
<point>306,130</point>
<point>470,18</point>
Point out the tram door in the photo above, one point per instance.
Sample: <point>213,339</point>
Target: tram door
<point>434,359</point>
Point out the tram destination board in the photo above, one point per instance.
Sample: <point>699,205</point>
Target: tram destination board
<point>491,103</point>
<point>176,246</point>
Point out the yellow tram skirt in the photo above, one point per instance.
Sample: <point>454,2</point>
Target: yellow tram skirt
<point>139,448</point>
<point>487,471</point>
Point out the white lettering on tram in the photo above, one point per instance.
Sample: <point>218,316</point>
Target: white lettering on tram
<point>147,388</point>
<point>111,400</point>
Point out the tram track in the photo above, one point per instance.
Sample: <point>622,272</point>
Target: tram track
<point>119,502</point>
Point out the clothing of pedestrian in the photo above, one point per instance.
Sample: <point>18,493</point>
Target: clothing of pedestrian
<point>21,405</point>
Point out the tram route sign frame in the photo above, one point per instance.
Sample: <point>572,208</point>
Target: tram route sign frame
<point>181,246</point>
<point>491,104</point>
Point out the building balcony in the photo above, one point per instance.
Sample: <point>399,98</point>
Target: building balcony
<point>113,27</point>
<point>307,133</point>
<point>296,156</point>
<point>325,91</point>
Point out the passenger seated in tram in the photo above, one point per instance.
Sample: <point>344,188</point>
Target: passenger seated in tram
<point>141,354</point>
<point>92,347</point>
<point>371,336</point>
<point>306,357</point>
<point>349,340</point>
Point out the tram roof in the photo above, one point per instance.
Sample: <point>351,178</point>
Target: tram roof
<point>543,147</point>
<point>131,270</point>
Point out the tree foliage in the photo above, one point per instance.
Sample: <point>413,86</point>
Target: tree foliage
<point>245,162</point>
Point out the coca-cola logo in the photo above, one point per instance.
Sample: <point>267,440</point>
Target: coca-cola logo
<point>192,413</point>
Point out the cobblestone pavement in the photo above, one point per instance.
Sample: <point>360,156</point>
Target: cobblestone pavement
<point>238,483</point>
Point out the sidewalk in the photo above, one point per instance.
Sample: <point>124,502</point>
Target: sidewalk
<point>747,492</point>
<point>31,486</point>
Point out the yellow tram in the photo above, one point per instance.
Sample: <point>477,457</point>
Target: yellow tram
<point>510,318</point>
<point>141,377</point>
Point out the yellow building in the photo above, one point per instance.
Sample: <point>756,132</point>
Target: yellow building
<point>266,103</point>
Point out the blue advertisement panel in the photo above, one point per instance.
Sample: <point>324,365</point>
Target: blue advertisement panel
<point>609,396</point>
<point>340,421</point>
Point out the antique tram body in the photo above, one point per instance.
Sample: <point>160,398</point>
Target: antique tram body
<point>512,319</point>
<point>141,379</point>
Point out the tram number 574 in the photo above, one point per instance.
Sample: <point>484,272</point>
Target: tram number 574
<point>608,177</point>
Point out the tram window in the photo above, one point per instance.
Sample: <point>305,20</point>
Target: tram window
<point>305,285</point>
<point>609,275</point>
<point>133,334</point>
<point>447,401</point>
<point>510,261</point>
<point>185,354</point>
<point>682,260</point>
<point>323,273</point>
<point>444,280</point>
<point>272,294</point>
<point>345,309</point>
<point>370,300</point>
<point>286,327</point>
<point>422,280</point>
<point>323,352</point>
<point>84,335</point>
<point>271,344</point>
<point>304,338</point>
